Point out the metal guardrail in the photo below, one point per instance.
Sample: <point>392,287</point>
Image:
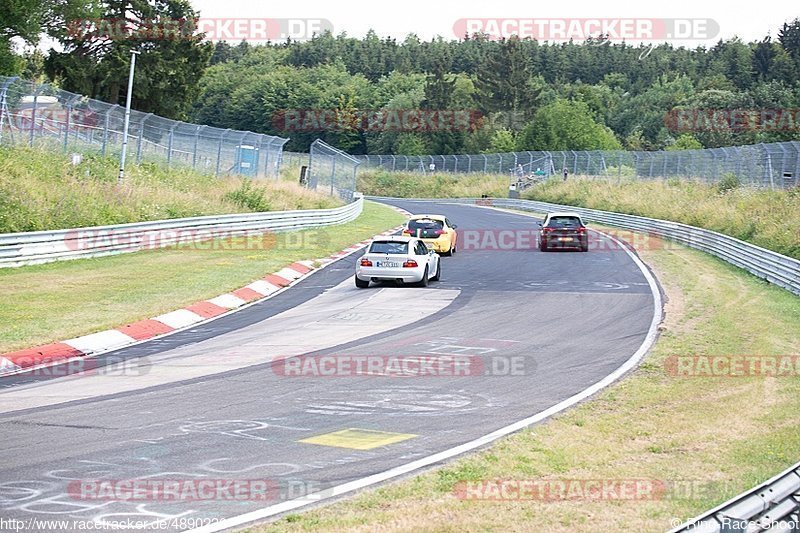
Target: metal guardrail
<point>772,506</point>
<point>778,269</point>
<point>17,249</point>
<point>775,504</point>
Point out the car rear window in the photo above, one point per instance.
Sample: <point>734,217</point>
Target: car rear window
<point>425,227</point>
<point>564,222</point>
<point>389,247</point>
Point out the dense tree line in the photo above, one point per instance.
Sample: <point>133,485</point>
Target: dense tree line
<point>522,94</point>
<point>531,95</point>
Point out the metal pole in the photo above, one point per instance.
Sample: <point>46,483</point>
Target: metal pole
<point>67,124</point>
<point>333,173</point>
<point>219,150</point>
<point>121,177</point>
<point>257,157</point>
<point>141,137</point>
<point>169,143</point>
<point>33,117</point>
<point>796,146</point>
<point>3,106</point>
<point>105,130</point>
<point>196,140</point>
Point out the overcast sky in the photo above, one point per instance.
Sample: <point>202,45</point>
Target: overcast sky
<point>428,18</point>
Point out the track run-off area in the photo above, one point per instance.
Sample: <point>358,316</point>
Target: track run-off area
<point>219,402</point>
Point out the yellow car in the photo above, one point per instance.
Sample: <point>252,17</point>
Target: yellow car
<point>436,231</point>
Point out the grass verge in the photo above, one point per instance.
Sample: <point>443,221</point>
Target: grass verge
<point>706,439</point>
<point>57,301</point>
<point>444,185</point>
<point>42,190</point>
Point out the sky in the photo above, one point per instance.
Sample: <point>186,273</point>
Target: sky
<point>429,18</point>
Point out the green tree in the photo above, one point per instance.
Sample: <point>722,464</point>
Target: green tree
<point>789,37</point>
<point>411,144</point>
<point>502,140</point>
<point>172,60</point>
<point>27,19</point>
<point>567,125</point>
<point>504,83</point>
<point>685,141</point>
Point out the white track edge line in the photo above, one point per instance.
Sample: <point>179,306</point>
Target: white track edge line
<point>373,479</point>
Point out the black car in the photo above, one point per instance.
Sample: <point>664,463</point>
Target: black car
<point>563,231</point>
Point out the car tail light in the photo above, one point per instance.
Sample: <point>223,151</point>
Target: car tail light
<point>547,230</point>
<point>582,230</point>
<point>366,263</point>
<point>410,264</point>
<point>406,232</point>
<point>440,232</point>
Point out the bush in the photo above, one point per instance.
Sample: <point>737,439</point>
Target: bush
<point>248,197</point>
<point>728,182</point>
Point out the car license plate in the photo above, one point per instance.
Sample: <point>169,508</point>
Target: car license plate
<point>565,239</point>
<point>386,264</point>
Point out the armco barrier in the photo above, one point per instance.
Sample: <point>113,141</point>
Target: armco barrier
<point>775,504</point>
<point>776,268</point>
<point>771,506</point>
<point>17,249</point>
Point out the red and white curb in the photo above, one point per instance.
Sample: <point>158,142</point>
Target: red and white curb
<point>112,339</point>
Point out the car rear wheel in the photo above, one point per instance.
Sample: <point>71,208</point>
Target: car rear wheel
<point>542,246</point>
<point>438,275</point>
<point>424,281</point>
<point>584,247</point>
<point>361,284</point>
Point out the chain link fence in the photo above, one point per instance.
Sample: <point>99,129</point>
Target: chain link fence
<point>332,170</point>
<point>774,165</point>
<point>295,159</point>
<point>41,115</point>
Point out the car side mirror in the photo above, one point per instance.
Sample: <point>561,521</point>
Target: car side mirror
<point>455,226</point>
<point>539,224</point>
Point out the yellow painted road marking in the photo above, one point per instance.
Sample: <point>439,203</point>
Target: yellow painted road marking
<point>358,439</point>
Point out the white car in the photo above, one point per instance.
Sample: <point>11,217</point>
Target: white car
<point>400,259</point>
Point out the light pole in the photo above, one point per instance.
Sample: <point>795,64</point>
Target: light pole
<point>121,177</point>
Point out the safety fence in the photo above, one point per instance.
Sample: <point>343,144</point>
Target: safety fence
<point>776,268</point>
<point>332,170</point>
<point>295,159</point>
<point>17,249</point>
<point>773,165</point>
<point>41,115</point>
